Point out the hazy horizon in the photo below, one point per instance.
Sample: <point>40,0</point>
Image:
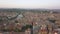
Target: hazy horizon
<point>48,4</point>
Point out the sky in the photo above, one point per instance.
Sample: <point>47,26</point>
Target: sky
<point>48,4</point>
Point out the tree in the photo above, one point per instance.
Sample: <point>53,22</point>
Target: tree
<point>17,30</point>
<point>16,21</point>
<point>26,27</point>
<point>51,20</point>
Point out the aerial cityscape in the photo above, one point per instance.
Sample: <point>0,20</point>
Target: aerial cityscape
<point>29,16</point>
<point>32,21</point>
